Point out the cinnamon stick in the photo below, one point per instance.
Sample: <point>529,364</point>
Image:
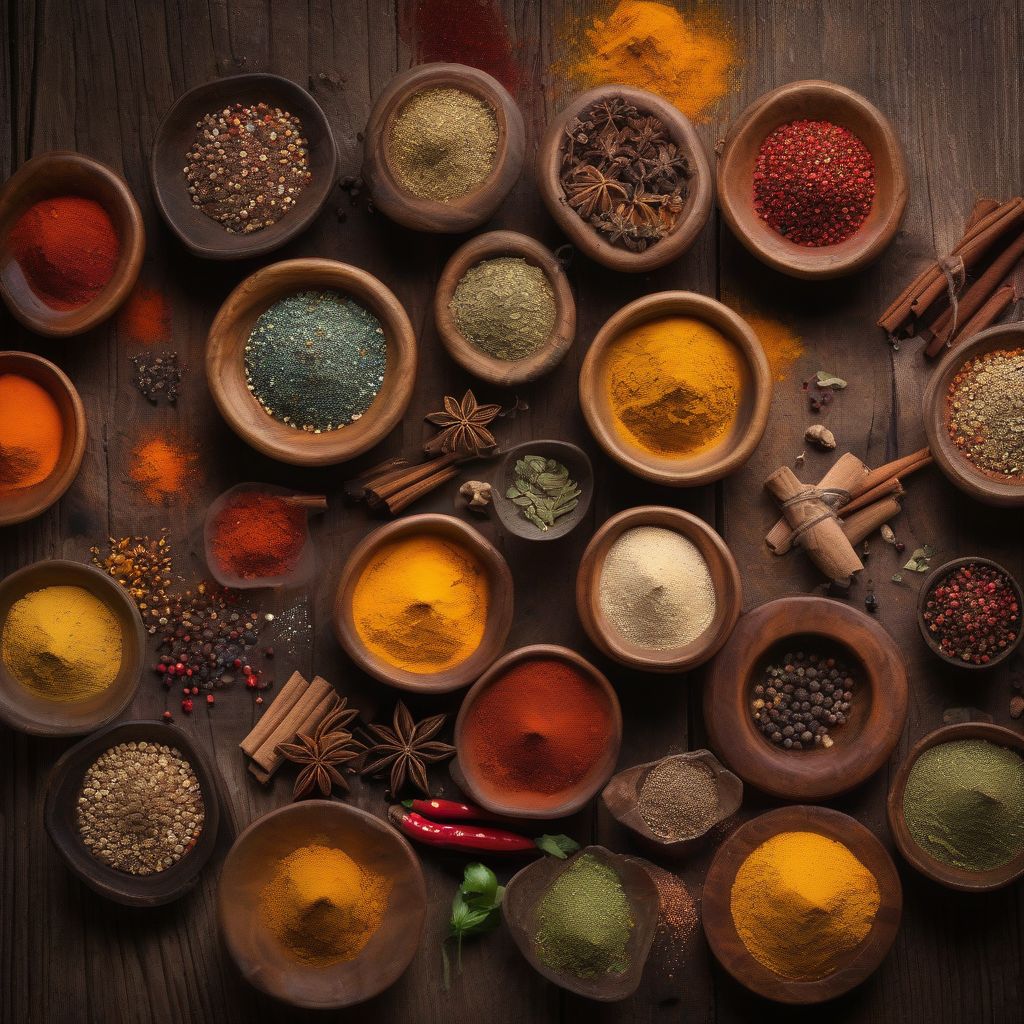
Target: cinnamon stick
<point>293,720</point>
<point>982,208</point>
<point>864,522</point>
<point>312,502</point>
<point>985,317</point>
<point>268,766</point>
<point>356,487</point>
<point>392,483</point>
<point>898,467</point>
<point>285,700</point>
<point>892,486</point>
<point>397,502</point>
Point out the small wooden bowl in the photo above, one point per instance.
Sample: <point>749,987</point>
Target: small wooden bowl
<point>992,489</point>
<point>63,173</point>
<point>724,575</point>
<point>725,941</point>
<point>860,746</point>
<point>819,101</point>
<point>20,504</point>
<point>695,212</point>
<point>499,617</point>
<point>951,877</point>
<point>468,211</point>
<point>23,710</point>
<point>201,234</point>
<point>225,362</point>
<point>751,417</point>
<point>467,775</point>
<point>504,372</point>
<point>527,888</point>
<point>62,792</point>
<point>250,865</point>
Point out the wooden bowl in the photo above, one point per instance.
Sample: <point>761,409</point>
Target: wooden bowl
<point>752,416</point>
<point>505,372</point>
<point>499,617</point>
<point>62,792</point>
<point>992,489</point>
<point>820,101</point>
<point>725,941</point>
<point>62,173</point>
<point>250,865</point>
<point>860,746</point>
<point>22,503</point>
<point>527,888</point>
<point>467,775</point>
<point>225,362</point>
<point>468,211</point>
<point>724,575</point>
<point>952,877</point>
<point>23,710</point>
<point>695,212</point>
<point>201,234</point>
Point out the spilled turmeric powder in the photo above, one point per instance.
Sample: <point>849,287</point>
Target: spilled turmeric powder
<point>162,467</point>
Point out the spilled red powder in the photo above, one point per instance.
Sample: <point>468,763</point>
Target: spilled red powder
<point>146,316</point>
<point>164,468</point>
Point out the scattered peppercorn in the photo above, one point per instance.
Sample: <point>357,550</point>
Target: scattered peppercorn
<point>157,376</point>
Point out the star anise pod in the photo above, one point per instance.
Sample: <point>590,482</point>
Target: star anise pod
<point>591,192</point>
<point>463,426</point>
<point>322,753</point>
<point>406,748</point>
<point>646,131</point>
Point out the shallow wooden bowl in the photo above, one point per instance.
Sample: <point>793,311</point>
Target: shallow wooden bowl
<point>467,775</point>
<point>860,746</point>
<point>250,865</point>
<point>751,418</point>
<point>504,372</point>
<point>690,222</point>
<point>63,173</point>
<point>527,888</point>
<point>725,941</point>
<point>951,877</point>
<point>468,211</point>
<point>62,792</point>
<point>724,575</point>
<point>201,234</point>
<point>499,617</point>
<point>225,362</point>
<point>24,503</point>
<point>814,100</point>
<point>23,710</point>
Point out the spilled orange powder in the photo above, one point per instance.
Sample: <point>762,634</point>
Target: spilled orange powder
<point>161,466</point>
<point>146,316</point>
<point>781,345</point>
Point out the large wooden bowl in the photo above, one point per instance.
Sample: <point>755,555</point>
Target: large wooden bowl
<point>225,362</point>
<point>62,173</point>
<point>818,101</point>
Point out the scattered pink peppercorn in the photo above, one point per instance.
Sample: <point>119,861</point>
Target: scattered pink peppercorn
<point>187,705</point>
<point>168,717</point>
<point>209,700</point>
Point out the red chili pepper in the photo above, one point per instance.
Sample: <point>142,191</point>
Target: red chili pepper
<point>475,839</point>
<point>446,810</point>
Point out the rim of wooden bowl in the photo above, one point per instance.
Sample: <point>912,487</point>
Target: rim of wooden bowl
<point>812,98</point>
<point>505,372</point>
<point>199,233</point>
<point>751,419</point>
<point>724,574</point>
<point>225,362</point>
<point>975,483</point>
<point>468,211</point>
<point>465,774</point>
<point>24,503</point>
<point>698,203</point>
<point>57,173</point>
<point>499,615</point>
<point>28,713</point>
<point>861,747</point>
<point>951,877</point>
<point>384,958</point>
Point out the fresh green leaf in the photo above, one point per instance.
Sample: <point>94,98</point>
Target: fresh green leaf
<point>480,880</point>
<point>476,910</point>
<point>557,846</point>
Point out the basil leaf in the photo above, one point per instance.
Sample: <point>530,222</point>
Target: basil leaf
<point>557,846</point>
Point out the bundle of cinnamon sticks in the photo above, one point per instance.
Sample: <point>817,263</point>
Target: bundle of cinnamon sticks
<point>392,486</point>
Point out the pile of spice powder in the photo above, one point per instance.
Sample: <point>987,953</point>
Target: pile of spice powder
<point>316,360</point>
<point>146,316</point>
<point>258,536</point>
<point>679,798</point>
<point>143,567</point>
<point>164,467</point>
<point>677,921</point>
<point>31,433</point>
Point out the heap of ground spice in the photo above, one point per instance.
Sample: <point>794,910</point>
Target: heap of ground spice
<point>146,316</point>
<point>258,536</point>
<point>679,798</point>
<point>31,433</point>
<point>163,467</point>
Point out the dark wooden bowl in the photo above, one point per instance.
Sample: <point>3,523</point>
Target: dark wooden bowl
<point>814,100</point>
<point>62,792</point>
<point>225,362</point>
<point>23,710</point>
<point>725,941</point>
<point>467,775</point>
<point>499,618</point>
<point>951,877</point>
<point>62,173</point>
<point>860,746</point>
<point>752,416</point>
<point>201,234</point>
<point>527,888</point>
<point>724,575</point>
<point>468,211</point>
<point>22,503</point>
<point>690,222</point>
<point>250,865</point>
<point>504,372</point>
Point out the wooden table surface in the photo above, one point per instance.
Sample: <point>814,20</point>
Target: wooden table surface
<point>97,76</point>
